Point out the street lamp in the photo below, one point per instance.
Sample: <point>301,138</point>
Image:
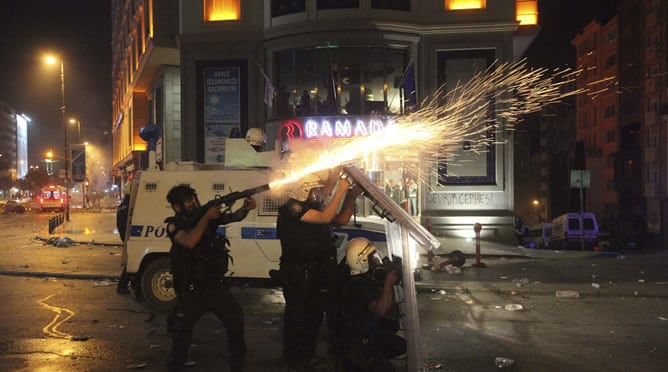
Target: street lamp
<point>78,123</point>
<point>53,60</point>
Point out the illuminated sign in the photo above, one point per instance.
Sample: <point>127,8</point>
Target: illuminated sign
<point>332,127</point>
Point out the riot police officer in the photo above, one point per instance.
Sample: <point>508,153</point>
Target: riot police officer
<point>199,259</point>
<point>308,262</point>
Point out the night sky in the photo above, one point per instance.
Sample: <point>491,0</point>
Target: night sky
<point>81,31</point>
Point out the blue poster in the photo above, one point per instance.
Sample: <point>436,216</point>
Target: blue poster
<point>222,109</point>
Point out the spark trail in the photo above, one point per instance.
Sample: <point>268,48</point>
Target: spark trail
<point>478,111</point>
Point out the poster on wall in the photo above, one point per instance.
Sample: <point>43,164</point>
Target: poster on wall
<point>222,110</point>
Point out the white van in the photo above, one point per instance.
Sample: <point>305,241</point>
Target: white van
<point>571,230</point>
<point>538,236</point>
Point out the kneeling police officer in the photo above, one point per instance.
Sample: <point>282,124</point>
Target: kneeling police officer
<point>199,259</point>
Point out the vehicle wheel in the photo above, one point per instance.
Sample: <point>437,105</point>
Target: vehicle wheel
<point>157,285</point>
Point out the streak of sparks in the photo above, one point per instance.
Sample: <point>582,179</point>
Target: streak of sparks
<point>477,111</point>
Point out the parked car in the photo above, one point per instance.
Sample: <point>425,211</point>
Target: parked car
<point>14,207</point>
<point>573,230</point>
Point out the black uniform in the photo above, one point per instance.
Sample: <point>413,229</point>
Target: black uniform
<point>309,270</point>
<point>121,224</point>
<point>368,340</point>
<point>200,286</point>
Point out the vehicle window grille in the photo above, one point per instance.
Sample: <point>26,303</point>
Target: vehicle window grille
<point>270,204</point>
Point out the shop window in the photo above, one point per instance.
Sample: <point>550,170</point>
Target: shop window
<point>332,80</point>
<point>465,4</point>
<point>222,10</point>
<point>337,4</point>
<point>391,4</point>
<point>473,161</point>
<point>284,7</point>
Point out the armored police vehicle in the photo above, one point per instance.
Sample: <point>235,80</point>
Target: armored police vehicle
<point>254,247</point>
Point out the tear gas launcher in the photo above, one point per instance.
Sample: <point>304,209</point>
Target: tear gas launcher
<point>229,199</point>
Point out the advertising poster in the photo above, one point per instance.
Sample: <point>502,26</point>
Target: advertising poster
<point>222,110</point>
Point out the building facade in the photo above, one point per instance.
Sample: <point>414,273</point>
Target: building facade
<point>13,142</point>
<point>210,69</point>
<point>596,53</point>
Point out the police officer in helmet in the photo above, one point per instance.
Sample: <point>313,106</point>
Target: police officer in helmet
<point>369,336</point>
<point>199,259</point>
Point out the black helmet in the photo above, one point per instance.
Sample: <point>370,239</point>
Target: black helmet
<point>179,194</point>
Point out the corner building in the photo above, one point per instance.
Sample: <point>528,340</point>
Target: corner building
<point>204,70</point>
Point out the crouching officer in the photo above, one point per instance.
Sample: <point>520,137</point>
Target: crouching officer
<point>369,334</point>
<point>199,259</point>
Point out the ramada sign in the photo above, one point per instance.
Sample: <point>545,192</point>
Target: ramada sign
<point>332,127</point>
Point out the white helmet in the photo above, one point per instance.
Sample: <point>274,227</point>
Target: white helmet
<point>255,137</point>
<point>358,251</point>
<point>301,190</point>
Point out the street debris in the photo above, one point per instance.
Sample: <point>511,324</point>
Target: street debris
<point>432,364</point>
<point>514,307</point>
<point>595,285</point>
<point>60,242</point>
<point>136,366</point>
<point>661,318</point>
<point>567,294</point>
<point>521,282</point>
<point>80,338</point>
<point>502,362</point>
<point>103,283</point>
<point>450,269</point>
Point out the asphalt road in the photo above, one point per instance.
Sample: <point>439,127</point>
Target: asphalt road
<point>619,322</point>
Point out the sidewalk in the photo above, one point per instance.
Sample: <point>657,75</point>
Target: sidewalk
<point>97,255</point>
<point>87,227</point>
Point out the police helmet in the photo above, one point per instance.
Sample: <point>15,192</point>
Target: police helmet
<point>255,137</point>
<point>300,190</point>
<point>358,251</point>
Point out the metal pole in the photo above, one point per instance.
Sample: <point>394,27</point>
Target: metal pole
<point>412,331</point>
<point>67,146</point>
<point>581,220</point>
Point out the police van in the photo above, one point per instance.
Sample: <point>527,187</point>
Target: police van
<point>254,247</point>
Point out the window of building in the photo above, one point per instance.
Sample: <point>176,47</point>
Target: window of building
<point>527,12</point>
<point>337,4</point>
<point>465,4</point>
<point>285,7</point>
<point>456,68</point>
<point>391,4</point>
<point>222,10</point>
<point>611,135</point>
<point>332,80</point>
